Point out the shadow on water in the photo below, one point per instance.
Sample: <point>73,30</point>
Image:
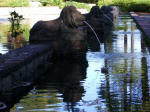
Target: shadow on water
<point>65,77</point>
<point>61,84</point>
<point>9,98</point>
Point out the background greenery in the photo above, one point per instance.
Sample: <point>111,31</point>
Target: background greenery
<point>125,5</point>
<point>14,3</point>
<point>128,5</point>
<point>84,1</point>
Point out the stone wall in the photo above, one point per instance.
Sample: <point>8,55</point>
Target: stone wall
<point>22,66</point>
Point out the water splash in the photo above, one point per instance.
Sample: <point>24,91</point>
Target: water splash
<point>92,30</point>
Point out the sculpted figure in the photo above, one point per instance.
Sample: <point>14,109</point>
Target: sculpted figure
<point>102,19</point>
<point>96,19</point>
<point>63,33</point>
<point>69,20</point>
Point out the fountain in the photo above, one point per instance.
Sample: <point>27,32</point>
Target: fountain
<point>102,19</point>
<point>92,31</point>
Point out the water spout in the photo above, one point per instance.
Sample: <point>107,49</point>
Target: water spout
<point>108,18</point>
<point>93,31</point>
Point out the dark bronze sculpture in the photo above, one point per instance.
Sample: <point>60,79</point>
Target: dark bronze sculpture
<point>68,21</point>
<point>66,34</point>
<point>63,33</point>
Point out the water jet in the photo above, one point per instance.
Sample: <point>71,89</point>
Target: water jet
<point>92,31</point>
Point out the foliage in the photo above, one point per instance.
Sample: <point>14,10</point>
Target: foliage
<point>62,4</point>
<point>26,30</point>
<point>84,1</point>
<point>104,2</point>
<point>128,5</point>
<point>76,4</point>
<point>3,33</point>
<point>14,3</point>
<point>35,0</point>
<point>51,2</point>
<point>15,42</point>
<point>15,20</point>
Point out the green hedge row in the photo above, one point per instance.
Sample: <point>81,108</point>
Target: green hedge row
<point>128,5</point>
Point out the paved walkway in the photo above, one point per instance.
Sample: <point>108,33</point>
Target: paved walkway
<point>143,20</point>
<point>33,14</point>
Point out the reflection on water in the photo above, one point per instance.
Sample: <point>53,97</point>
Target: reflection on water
<point>82,87</point>
<point>8,42</point>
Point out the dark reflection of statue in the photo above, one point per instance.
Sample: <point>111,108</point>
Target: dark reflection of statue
<point>66,75</point>
<point>9,98</point>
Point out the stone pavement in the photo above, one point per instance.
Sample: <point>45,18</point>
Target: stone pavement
<point>33,14</point>
<point>143,20</point>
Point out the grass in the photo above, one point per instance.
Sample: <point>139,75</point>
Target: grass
<point>14,3</point>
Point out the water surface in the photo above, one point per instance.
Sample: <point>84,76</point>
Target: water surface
<point>112,78</point>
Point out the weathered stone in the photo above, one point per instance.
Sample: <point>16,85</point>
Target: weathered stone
<point>23,64</point>
<point>143,21</point>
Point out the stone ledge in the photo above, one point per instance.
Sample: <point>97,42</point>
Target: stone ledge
<point>143,21</point>
<point>15,59</point>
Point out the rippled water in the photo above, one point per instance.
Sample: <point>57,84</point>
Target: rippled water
<point>113,78</point>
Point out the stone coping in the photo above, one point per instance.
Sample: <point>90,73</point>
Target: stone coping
<point>143,21</point>
<point>15,59</point>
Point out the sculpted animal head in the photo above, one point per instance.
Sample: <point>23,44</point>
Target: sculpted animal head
<point>71,17</point>
<point>106,9</point>
<point>95,11</point>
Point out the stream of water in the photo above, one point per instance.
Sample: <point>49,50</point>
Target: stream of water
<point>93,32</point>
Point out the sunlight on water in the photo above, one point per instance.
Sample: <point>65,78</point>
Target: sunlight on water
<point>3,49</point>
